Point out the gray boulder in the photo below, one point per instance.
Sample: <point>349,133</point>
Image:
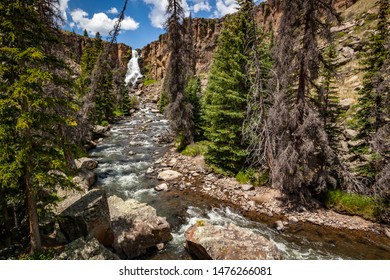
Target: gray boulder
<point>86,163</point>
<point>136,227</point>
<point>210,242</point>
<point>86,215</point>
<point>86,249</point>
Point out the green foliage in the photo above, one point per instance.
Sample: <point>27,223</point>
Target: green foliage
<point>372,108</point>
<point>192,96</point>
<point>43,255</point>
<point>148,82</point>
<point>104,123</point>
<point>163,101</point>
<point>253,176</point>
<point>226,95</point>
<point>196,149</point>
<point>352,204</point>
<point>327,98</point>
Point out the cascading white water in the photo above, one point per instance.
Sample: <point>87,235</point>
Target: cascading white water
<point>133,70</point>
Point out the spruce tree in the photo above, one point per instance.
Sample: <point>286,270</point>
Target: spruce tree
<point>327,99</point>
<point>302,162</point>
<point>225,100</point>
<point>372,101</point>
<point>35,106</point>
<point>178,111</point>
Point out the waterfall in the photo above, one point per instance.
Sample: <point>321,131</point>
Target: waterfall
<point>133,71</point>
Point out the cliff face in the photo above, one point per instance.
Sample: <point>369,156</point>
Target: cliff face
<point>206,33</point>
<point>75,46</point>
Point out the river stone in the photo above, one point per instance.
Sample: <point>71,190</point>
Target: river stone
<point>169,175</point>
<point>136,227</point>
<point>387,232</point>
<point>161,187</point>
<point>86,249</point>
<point>86,215</point>
<point>87,163</point>
<point>85,180</point>
<point>100,131</point>
<point>279,225</point>
<point>206,241</point>
<point>247,187</point>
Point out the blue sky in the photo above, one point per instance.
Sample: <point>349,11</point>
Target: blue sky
<point>143,18</point>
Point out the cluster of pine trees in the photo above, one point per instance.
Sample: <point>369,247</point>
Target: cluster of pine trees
<point>271,101</point>
<point>45,113</point>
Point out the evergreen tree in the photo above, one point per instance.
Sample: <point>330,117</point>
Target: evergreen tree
<point>327,99</point>
<point>178,111</point>
<point>35,106</point>
<point>302,162</point>
<point>371,114</point>
<point>85,33</point>
<point>225,100</point>
<point>192,94</point>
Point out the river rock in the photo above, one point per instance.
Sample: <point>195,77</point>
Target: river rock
<point>86,163</point>
<point>161,187</point>
<point>169,175</point>
<point>136,227</point>
<point>86,249</point>
<point>86,215</point>
<point>100,131</point>
<point>206,241</point>
<point>247,187</point>
<point>279,225</point>
<point>387,232</point>
<point>346,103</point>
<point>85,180</point>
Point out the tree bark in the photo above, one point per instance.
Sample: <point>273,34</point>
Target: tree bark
<point>35,238</point>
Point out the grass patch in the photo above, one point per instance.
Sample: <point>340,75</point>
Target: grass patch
<point>353,204</point>
<point>149,82</point>
<point>196,149</point>
<point>252,176</point>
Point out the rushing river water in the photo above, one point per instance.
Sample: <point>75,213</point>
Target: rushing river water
<point>125,175</point>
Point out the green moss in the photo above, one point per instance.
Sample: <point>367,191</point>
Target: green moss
<point>195,149</point>
<point>352,204</point>
<point>200,223</point>
<point>104,123</point>
<point>148,82</point>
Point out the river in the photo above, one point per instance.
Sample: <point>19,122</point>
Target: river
<point>127,176</point>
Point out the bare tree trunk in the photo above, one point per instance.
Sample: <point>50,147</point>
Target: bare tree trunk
<point>35,238</point>
<point>7,227</point>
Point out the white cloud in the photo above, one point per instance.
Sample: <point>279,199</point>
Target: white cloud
<point>202,5</point>
<point>100,22</point>
<point>158,15</point>
<point>113,11</point>
<point>62,6</point>
<point>224,7</point>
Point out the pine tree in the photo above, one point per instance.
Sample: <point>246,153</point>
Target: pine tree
<point>302,161</point>
<point>178,111</point>
<point>225,100</point>
<point>371,114</point>
<point>35,106</point>
<point>327,99</point>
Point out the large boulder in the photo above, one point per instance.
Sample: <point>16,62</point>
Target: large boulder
<point>136,227</point>
<point>169,175</point>
<point>86,215</point>
<point>86,249</point>
<point>86,163</point>
<point>210,242</point>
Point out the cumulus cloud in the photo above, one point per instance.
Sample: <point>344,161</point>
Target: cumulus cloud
<point>158,15</point>
<point>224,7</point>
<point>202,5</point>
<point>113,11</point>
<point>100,22</point>
<point>62,6</point>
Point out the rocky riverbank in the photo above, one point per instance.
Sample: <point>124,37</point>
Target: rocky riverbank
<point>259,203</point>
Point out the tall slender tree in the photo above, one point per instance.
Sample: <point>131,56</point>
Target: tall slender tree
<point>372,111</point>
<point>178,111</point>
<point>225,100</point>
<point>302,159</point>
<point>35,104</point>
